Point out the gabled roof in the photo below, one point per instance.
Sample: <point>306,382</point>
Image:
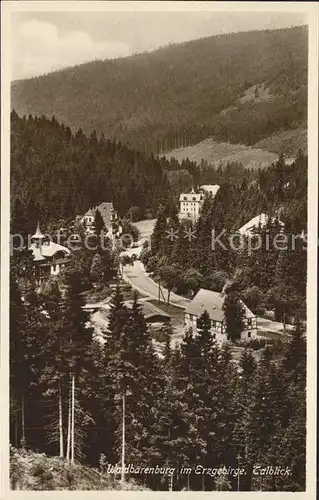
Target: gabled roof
<point>47,250</point>
<point>210,188</point>
<point>207,300</point>
<point>106,209</point>
<point>90,212</point>
<point>255,222</point>
<point>150,310</point>
<point>212,302</point>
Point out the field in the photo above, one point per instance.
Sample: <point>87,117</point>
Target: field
<point>145,228</point>
<point>222,152</point>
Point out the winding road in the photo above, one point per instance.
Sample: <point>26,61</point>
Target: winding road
<point>139,279</point>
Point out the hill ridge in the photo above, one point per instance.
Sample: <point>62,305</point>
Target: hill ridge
<point>178,91</point>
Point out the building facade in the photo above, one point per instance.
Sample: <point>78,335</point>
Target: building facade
<point>190,205</point>
<point>213,302</point>
<point>49,257</point>
<point>109,216</point>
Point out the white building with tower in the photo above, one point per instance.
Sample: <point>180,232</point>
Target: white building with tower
<point>190,204</point>
<point>49,257</point>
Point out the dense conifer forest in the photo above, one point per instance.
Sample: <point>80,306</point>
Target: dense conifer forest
<point>192,407</point>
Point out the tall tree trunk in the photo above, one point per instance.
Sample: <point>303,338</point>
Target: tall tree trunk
<point>72,418</point>
<point>16,428</point>
<point>69,428</point>
<point>188,482</point>
<point>171,483</point>
<point>123,438</point>
<point>284,319</point>
<point>22,419</point>
<point>60,422</point>
<point>203,482</point>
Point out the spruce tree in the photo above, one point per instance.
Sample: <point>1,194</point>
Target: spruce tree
<point>159,236</point>
<point>79,337</point>
<point>97,271</point>
<point>234,314</point>
<point>99,224</point>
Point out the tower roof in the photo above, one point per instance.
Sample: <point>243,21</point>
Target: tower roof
<point>38,235</point>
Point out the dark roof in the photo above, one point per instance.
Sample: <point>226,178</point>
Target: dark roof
<point>150,310</point>
<point>106,209</point>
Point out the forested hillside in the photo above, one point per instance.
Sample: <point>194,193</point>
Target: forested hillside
<point>239,87</point>
<point>58,175</point>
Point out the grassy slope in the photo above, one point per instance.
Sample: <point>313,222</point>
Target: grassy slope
<point>35,471</point>
<point>179,89</point>
<point>220,153</point>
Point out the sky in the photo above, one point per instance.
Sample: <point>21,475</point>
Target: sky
<point>42,42</point>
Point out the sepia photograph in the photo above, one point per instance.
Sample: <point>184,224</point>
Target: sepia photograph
<point>158,215</point>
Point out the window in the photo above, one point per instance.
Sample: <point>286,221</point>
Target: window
<point>249,335</point>
<point>185,198</point>
<point>249,321</point>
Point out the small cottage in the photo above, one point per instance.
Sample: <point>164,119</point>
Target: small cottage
<point>213,302</point>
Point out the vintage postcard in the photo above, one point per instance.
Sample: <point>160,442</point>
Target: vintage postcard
<point>159,242</point>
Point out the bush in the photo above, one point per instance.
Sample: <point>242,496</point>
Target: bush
<point>160,334</point>
<point>152,264</point>
<point>254,344</point>
<point>38,472</point>
<point>129,228</point>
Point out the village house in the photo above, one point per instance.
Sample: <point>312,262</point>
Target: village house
<point>109,217</point>
<point>212,302</point>
<point>49,257</point>
<point>191,203</point>
<point>260,220</point>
